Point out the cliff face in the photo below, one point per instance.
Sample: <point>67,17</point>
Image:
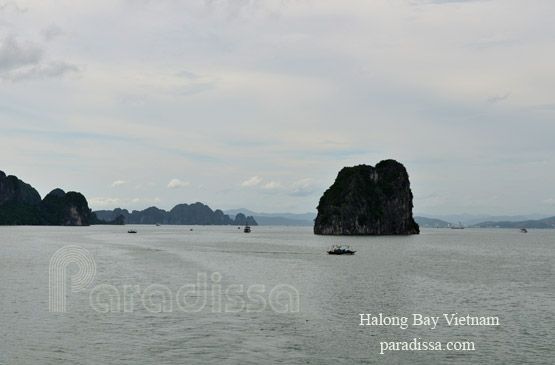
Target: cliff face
<point>365,200</point>
<point>20,204</point>
<point>13,190</point>
<point>242,220</point>
<point>66,209</point>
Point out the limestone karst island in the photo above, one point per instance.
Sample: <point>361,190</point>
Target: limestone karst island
<point>366,200</point>
<point>21,204</point>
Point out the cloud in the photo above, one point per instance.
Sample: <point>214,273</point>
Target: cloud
<point>181,86</point>
<point>271,185</point>
<point>253,181</point>
<point>195,88</point>
<point>304,187</point>
<point>176,184</point>
<point>118,183</point>
<point>100,202</point>
<point>233,8</point>
<point>135,201</point>
<point>442,1</point>
<point>497,98</point>
<point>103,202</point>
<point>42,71</point>
<point>24,60</point>
<point>15,54</point>
<point>11,5</point>
<point>188,75</point>
<point>51,32</point>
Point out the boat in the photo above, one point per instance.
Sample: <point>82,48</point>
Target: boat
<point>340,250</point>
<point>158,224</point>
<point>247,229</point>
<point>460,226</point>
<point>132,231</point>
<point>523,230</point>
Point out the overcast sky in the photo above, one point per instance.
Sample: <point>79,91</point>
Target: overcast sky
<point>259,104</point>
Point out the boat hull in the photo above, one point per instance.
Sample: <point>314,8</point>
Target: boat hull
<point>341,253</point>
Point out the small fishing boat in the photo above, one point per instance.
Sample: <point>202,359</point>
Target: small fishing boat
<point>523,230</point>
<point>132,231</point>
<point>340,250</point>
<point>247,229</point>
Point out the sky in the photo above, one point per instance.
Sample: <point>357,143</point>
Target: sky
<point>259,104</point>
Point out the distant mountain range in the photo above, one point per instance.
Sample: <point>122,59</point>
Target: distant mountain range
<point>186,214</point>
<point>513,223</point>
<point>424,222</point>
<point>473,219</point>
<point>478,221</point>
<point>539,223</point>
<point>21,204</point>
<point>277,219</point>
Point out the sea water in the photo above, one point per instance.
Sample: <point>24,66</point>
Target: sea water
<point>206,294</point>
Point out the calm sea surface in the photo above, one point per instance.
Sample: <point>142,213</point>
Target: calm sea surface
<point>481,273</point>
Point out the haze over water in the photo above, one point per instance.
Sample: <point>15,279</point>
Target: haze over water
<point>483,272</point>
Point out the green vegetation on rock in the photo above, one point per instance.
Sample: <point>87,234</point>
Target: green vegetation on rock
<point>365,200</point>
<point>20,204</point>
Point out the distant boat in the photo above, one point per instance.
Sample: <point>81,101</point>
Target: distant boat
<point>247,229</point>
<point>460,226</point>
<point>523,230</point>
<point>158,224</point>
<point>340,250</point>
<point>132,231</point>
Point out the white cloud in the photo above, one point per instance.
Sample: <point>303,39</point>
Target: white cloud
<point>253,181</point>
<point>101,202</point>
<point>104,202</point>
<point>176,184</point>
<point>304,187</point>
<point>144,201</point>
<point>271,185</point>
<point>41,71</point>
<point>118,183</point>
